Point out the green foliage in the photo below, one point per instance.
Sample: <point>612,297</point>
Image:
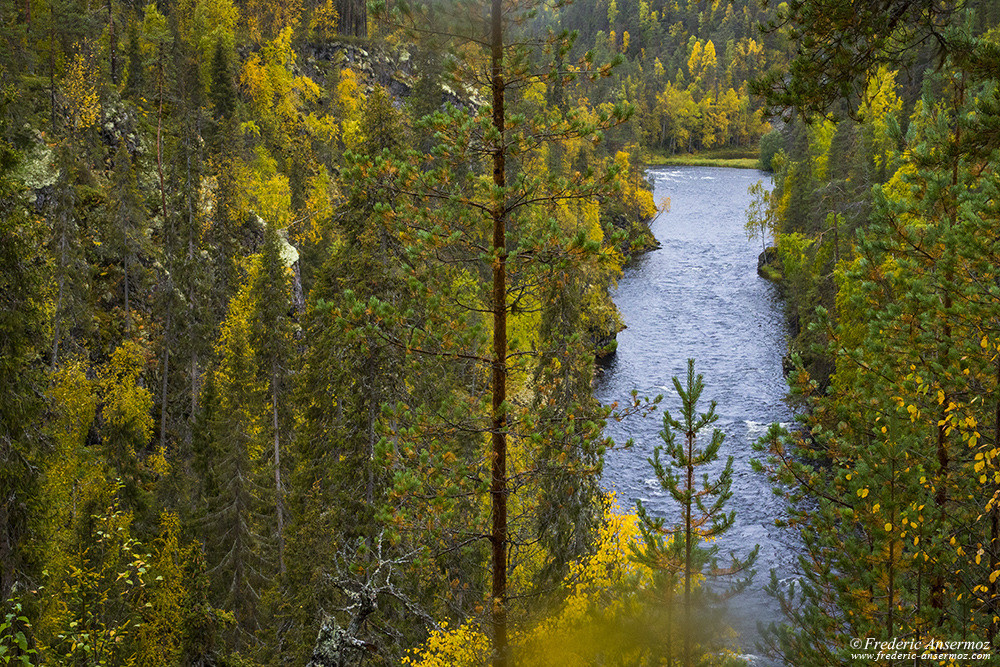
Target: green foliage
<point>142,297</point>
<point>163,382</point>
<point>22,335</point>
<point>770,144</point>
<point>838,47</point>
<point>760,215</point>
<point>901,426</point>
<point>98,600</point>
<point>676,552</point>
<point>15,629</point>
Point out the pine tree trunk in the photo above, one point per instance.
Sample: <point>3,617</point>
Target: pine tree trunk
<point>499,388</point>
<point>689,499</point>
<point>159,136</point>
<point>166,373</point>
<point>995,535</point>
<point>277,468</point>
<point>113,56</point>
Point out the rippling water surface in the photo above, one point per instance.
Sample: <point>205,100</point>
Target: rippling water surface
<point>699,296</point>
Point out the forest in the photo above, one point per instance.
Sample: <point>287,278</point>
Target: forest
<point>301,305</point>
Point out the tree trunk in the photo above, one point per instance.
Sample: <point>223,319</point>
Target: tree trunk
<point>277,468</point>
<point>689,500</point>
<point>166,373</point>
<point>499,388</point>
<point>994,628</point>
<point>113,55</point>
<point>159,136</point>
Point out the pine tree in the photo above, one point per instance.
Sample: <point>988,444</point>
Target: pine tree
<point>496,237</point>
<point>897,459</point>
<point>69,320</point>
<point>352,368</point>
<point>127,237</point>
<point>703,515</point>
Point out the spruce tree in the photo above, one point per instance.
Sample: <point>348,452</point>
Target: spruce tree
<point>21,339</point>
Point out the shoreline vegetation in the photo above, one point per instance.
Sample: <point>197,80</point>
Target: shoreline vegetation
<point>736,158</point>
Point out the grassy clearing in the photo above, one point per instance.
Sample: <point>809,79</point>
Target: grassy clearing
<point>726,157</point>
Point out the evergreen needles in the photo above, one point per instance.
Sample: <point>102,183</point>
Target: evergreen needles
<point>682,553</point>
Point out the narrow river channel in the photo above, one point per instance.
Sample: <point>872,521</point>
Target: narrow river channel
<point>699,296</point>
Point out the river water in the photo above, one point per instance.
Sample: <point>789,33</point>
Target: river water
<point>699,296</point>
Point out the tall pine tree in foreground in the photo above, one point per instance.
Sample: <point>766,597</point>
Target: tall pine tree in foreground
<point>483,227</point>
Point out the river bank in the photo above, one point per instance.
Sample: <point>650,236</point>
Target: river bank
<point>726,157</point>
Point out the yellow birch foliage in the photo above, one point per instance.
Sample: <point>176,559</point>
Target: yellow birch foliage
<point>321,194</point>
<point>276,94</point>
<point>694,60</point>
<point>323,22</point>
<point>160,637</point>
<point>127,405</point>
<point>81,93</point>
<point>268,190</point>
<point>349,99</point>
<point>820,137</point>
<point>241,394</point>
<point>881,105</point>
<point>73,481</point>
<point>204,23</point>
<point>638,199</point>
<point>600,589</point>
<point>266,19</point>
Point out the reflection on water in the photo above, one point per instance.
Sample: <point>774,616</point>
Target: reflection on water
<point>699,296</point>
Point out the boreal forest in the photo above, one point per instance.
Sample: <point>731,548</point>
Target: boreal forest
<point>301,304</point>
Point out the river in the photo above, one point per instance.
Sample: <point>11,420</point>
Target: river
<point>699,296</point>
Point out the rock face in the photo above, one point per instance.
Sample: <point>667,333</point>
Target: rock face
<point>605,346</point>
<point>768,264</point>
<point>373,65</point>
